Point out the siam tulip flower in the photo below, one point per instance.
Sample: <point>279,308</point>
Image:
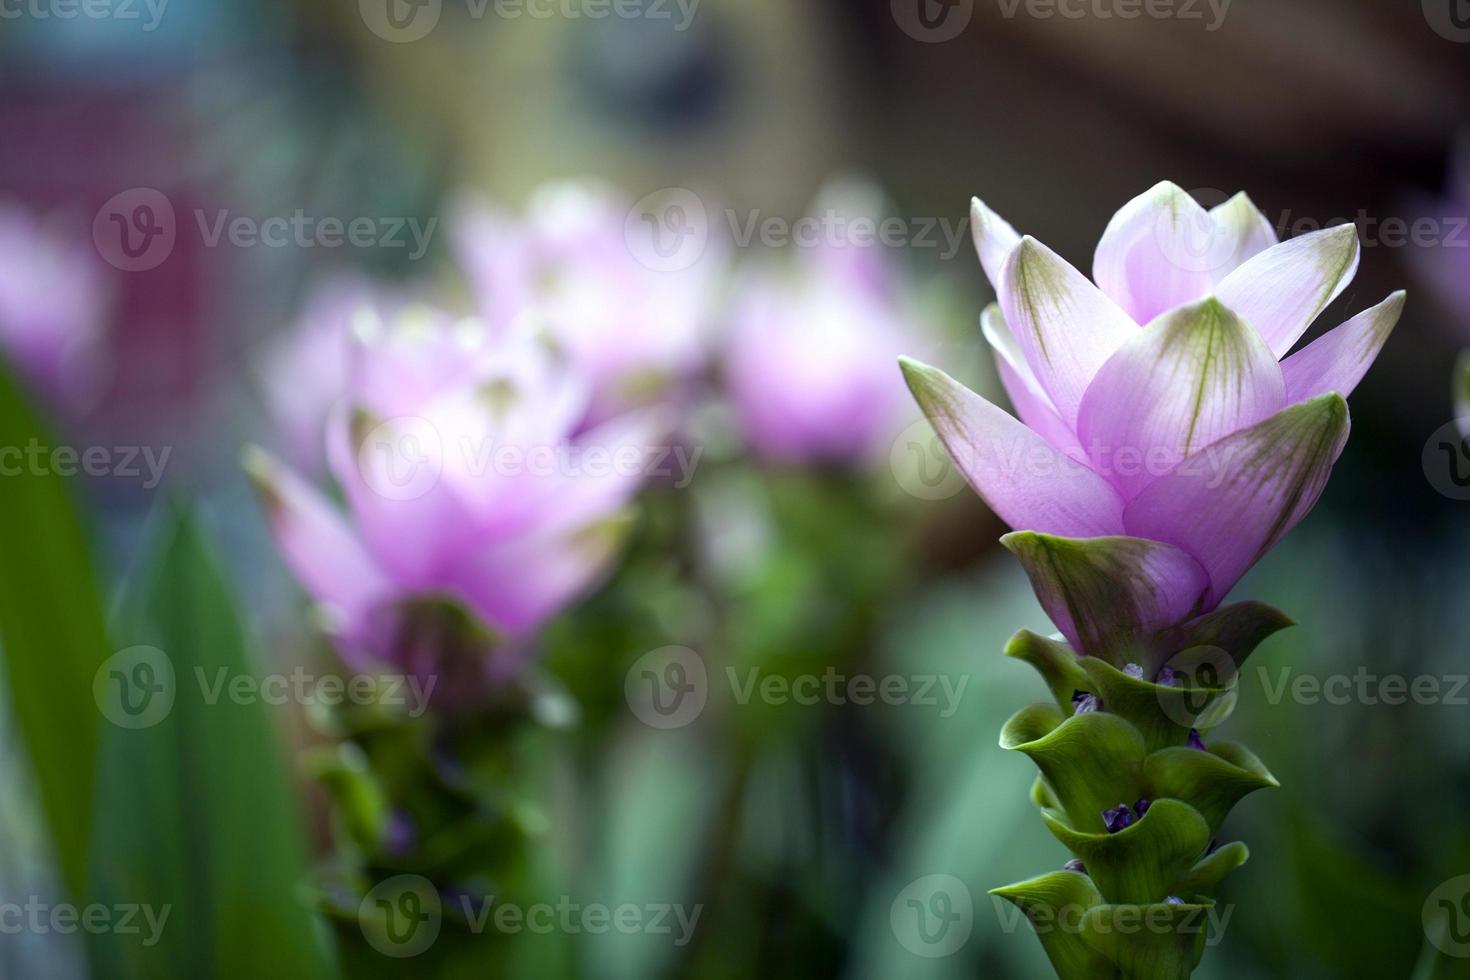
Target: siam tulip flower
<point>809,358</point>
<point>637,333</point>
<point>1167,438</point>
<point>304,371</point>
<point>1164,423</point>
<point>473,511</point>
<point>53,308</point>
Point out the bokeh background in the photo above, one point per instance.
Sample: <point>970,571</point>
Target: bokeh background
<point>795,829</point>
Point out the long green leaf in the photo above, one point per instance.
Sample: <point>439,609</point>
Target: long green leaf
<point>195,812</point>
<point>52,630</point>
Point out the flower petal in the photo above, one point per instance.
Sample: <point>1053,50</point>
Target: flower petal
<point>1337,360</point>
<point>1282,290</point>
<point>1157,252</point>
<point>995,239</point>
<point>1194,375</point>
<point>316,543</point>
<point>1107,595</point>
<point>1028,482</point>
<point>1027,396</point>
<point>1064,324</point>
<point>517,585</point>
<point>1228,504</point>
<point>1243,233</point>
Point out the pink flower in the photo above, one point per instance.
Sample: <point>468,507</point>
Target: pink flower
<point>1162,423</point>
<point>53,307</point>
<point>809,358</point>
<point>635,332</point>
<point>464,487</point>
<point>304,371</point>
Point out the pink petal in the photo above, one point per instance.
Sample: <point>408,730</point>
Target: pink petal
<point>1063,324</point>
<point>1337,360</point>
<point>1282,290</point>
<point>1027,397</point>
<point>1108,594</point>
<point>1194,375</point>
<point>995,239</point>
<point>1028,482</point>
<point>1158,252</point>
<point>317,545</point>
<point>517,585</point>
<point>1244,232</point>
<point>1229,504</point>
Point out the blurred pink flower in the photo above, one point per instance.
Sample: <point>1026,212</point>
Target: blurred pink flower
<point>1158,405</point>
<point>53,308</point>
<point>635,332</point>
<point>304,370</point>
<point>811,348</point>
<point>463,481</point>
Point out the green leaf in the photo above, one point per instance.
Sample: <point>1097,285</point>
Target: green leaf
<point>1212,782</point>
<point>53,635</point>
<point>1158,711</point>
<point>1057,663</point>
<point>1237,629</point>
<point>1088,760</point>
<point>195,811</point>
<point>1203,880</point>
<point>1110,595</point>
<point>1147,942</point>
<point>1055,905</point>
<point>1138,864</point>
